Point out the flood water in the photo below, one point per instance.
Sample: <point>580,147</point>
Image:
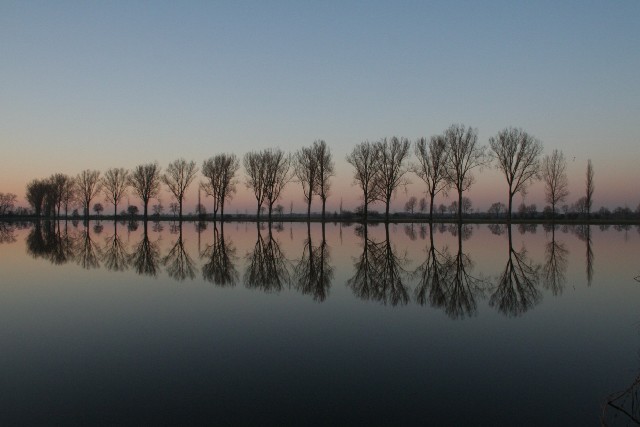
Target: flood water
<point>157,323</point>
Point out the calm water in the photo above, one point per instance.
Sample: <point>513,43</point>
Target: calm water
<point>302,324</point>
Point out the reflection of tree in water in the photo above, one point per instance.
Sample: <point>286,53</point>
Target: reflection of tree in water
<point>87,252</point>
<point>178,262</point>
<point>433,274</point>
<point>583,231</point>
<point>115,256</point>
<point>47,240</point>
<point>516,290</point>
<point>267,268</point>
<point>465,231</point>
<point>555,266</point>
<point>447,279</point>
<point>145,257</point>
<point>312,274</point>
<point>220,269</point>
<point>623,407</point>
<point>410,231</point>
<point>7,232</point>
<point>379,272</point>
<point>497,229</point>
<point>527,228</point>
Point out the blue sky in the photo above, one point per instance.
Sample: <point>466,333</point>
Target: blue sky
<point>102,84</point>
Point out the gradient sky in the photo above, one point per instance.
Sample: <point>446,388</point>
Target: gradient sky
<point>115,84</point>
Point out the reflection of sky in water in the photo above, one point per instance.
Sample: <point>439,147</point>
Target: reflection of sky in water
<point>86,343</point>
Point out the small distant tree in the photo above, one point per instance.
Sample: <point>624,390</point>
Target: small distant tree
<point>442,209</point>
<point>411,204</point>
<point>158,208</point>
<point>590,187</point>
<point>98,208</point>
<point>132,210</point>
<point>7,202</point>
<point>174,208</point>
<point>179,175</point>
<point>453,207</point>
<point>467,205</point>
<point>580,206</point>
<point>423,205</point>
<point>497,209</point>
<point>279,209</point>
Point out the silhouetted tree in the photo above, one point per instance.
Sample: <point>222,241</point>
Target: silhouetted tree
<point>423,206</point>
<point>365,159</point>
<point>305,169</point>
<point>145,183</point>
<point>278,164</point>
<point>463,155</point>
<point>517,155</point>
<point>590,187</point>
<point>114,186</point>
<point>88,186</point>
<point>410,206</point>
<point>220,268</point>
<point>178,177</point>
<point>554,175</point>
<point>59,186</point>
<point>392,167</point>
<point>7,202</point>
<point>431,167</point>
<point>255,166</point>
<point>325,171</point>
<point>98,208</point>
<point>38,195</point>
<point>433,274</point>
<point>220,171</point>
<point>516,291</point>
<point>497,209</point>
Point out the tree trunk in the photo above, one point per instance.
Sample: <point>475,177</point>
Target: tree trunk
<point>510,206</point>
<point>146,205</point>
<point>386,211</point>
<point>180,215</point>
<point>309,209</point>
<point>431,209</point>
<point>459,205</point>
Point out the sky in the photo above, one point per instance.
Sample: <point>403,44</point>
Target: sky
<point>95,85</point>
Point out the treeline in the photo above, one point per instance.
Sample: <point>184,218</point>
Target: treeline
<point>445,163</point>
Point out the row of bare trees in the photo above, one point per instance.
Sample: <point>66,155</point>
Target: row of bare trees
<point>445,163</point>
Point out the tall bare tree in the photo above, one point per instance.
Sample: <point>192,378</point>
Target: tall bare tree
<point>305,169</point>
<point>59,184</point>
<point>178,177</point>
<point>554,175</point>
<point>114,186</point>
<point>518,157</point>
<point>277,176</point>
<point>393,154</point>
<point>88,186</point>
<point>365,159</point>
<point>220,171</point>
<point>145,183</point>
<point>256,169</point>
<point>463,155</point>
<point>431,166</point>
<point>326,170</point>
<point>590,188</point>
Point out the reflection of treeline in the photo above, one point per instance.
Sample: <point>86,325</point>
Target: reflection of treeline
<point>445,279</point>
<point>445,163</point>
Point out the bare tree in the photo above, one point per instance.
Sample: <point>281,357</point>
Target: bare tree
<point>278,165</point>
<point>256,169</point>
<point>114,186</point>
<point>59,185</point>
<point>305,169</point>
<point>7,202</point>
<point>365,158</point>
<point>178,177</point>
<point>410,206</point>
<point>463,155</point>
<point>554,175</point>
<point>220,170</point>
<point>590,188</point>
<point>392,167</point>
<point>68,195</point>
<point>423,205</point>
<point>88,185</point>
<point>326,170</point>
<point>518,157</point>
<point>145,182</point>
<point>431,166</point>
<point>98,208</point>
